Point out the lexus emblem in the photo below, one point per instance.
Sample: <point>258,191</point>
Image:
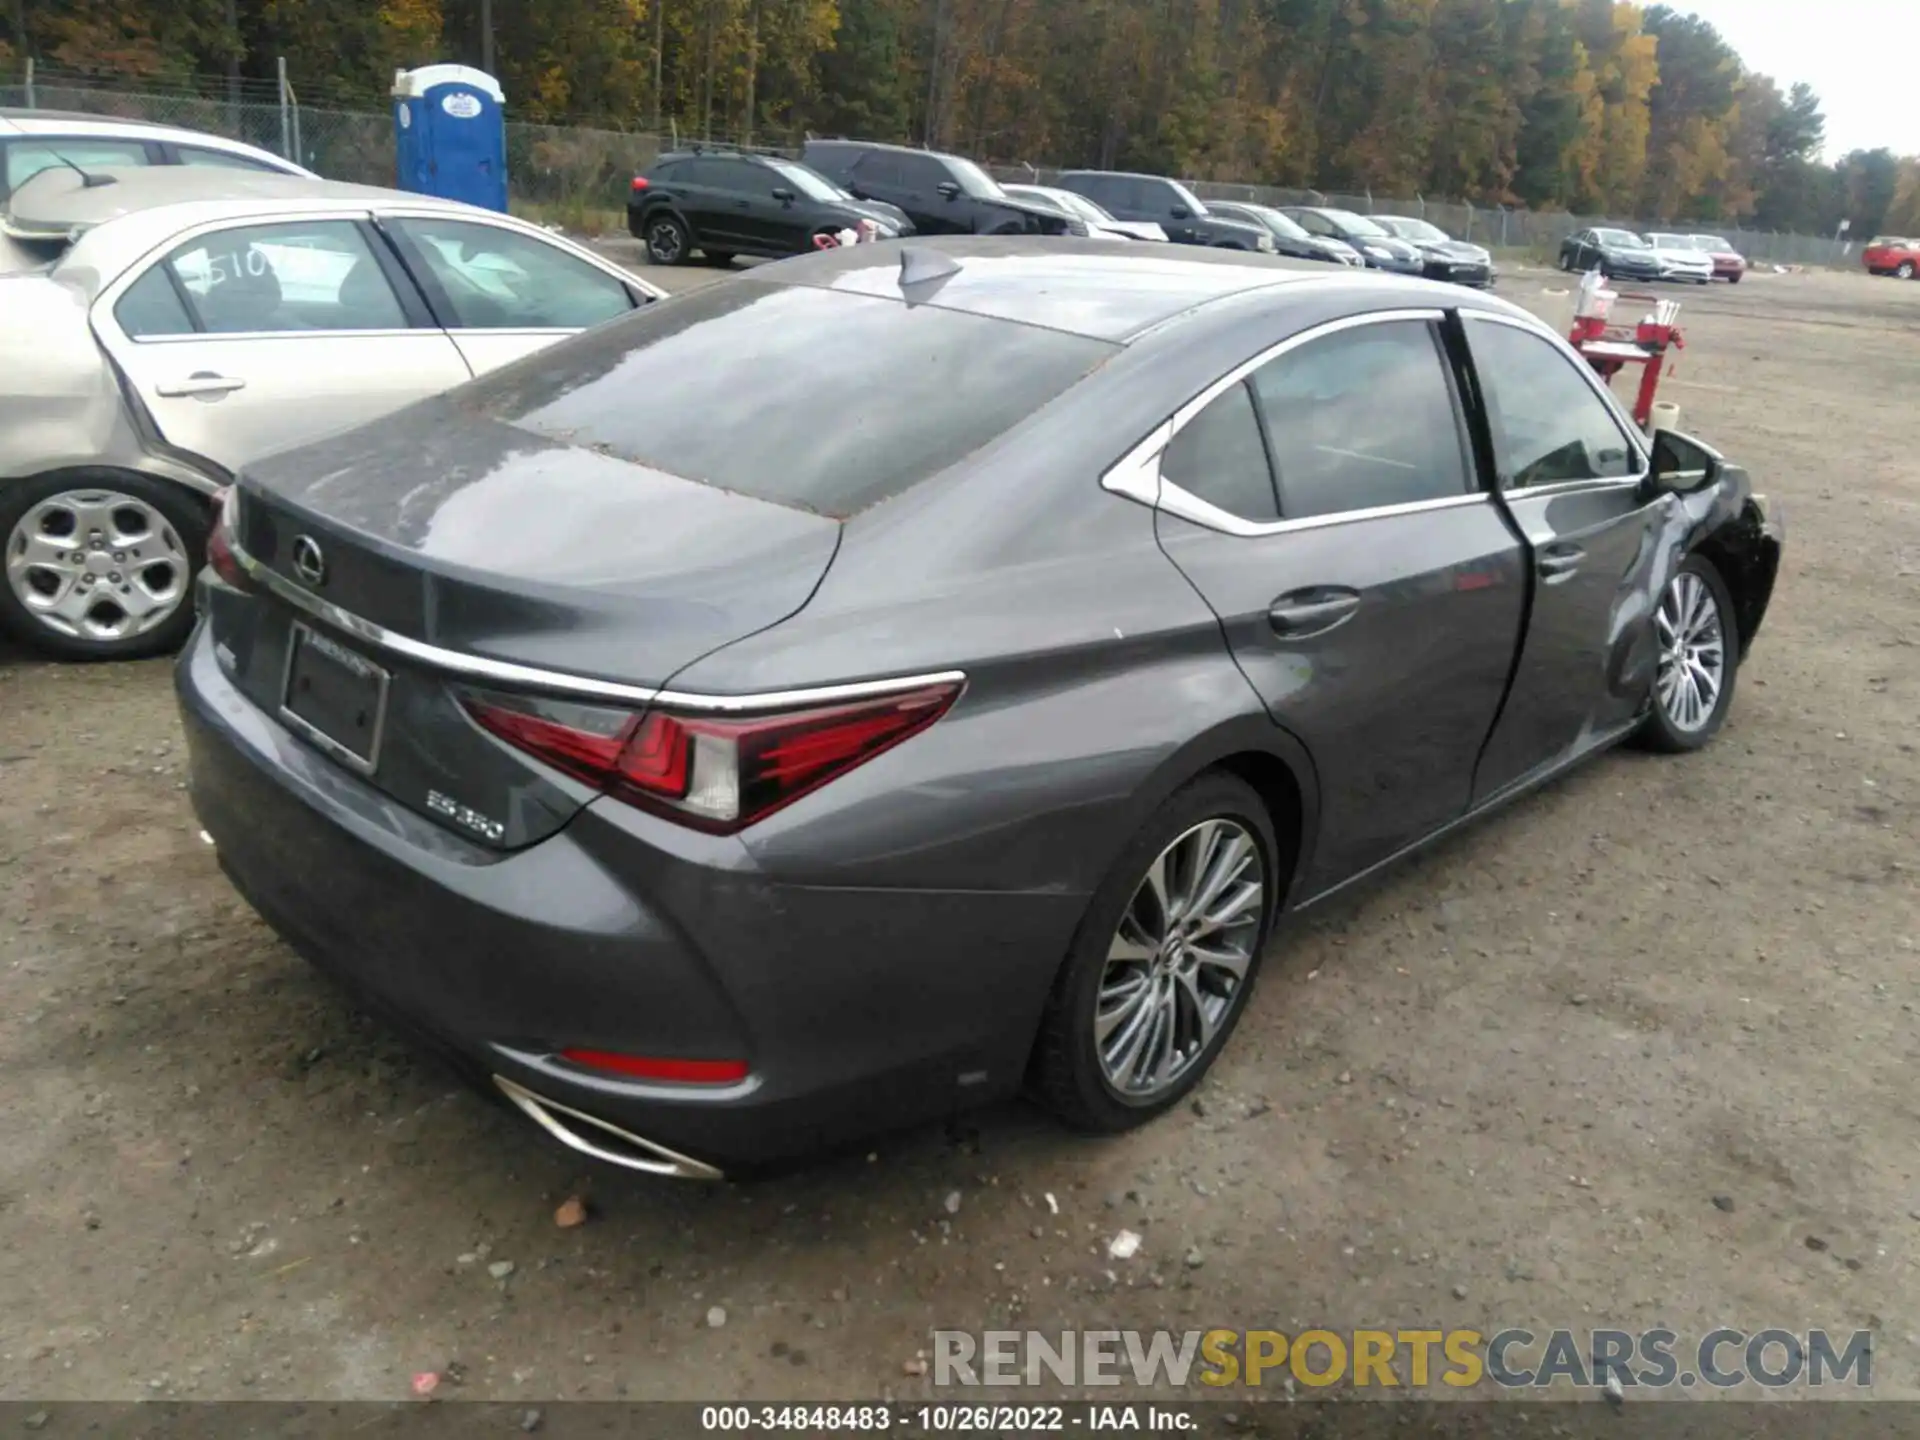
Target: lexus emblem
<point>308,563</point>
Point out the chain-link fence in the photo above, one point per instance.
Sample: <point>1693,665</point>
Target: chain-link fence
<point>579,174</point>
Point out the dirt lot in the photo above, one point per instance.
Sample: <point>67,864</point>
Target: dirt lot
<point>1504,1087</point>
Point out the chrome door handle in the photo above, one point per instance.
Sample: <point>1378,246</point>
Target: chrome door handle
<point>201,382</point>
<point>1558,562</point>
<point>1301,613</point>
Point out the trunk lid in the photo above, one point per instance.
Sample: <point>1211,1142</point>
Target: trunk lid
<point>476,537</point>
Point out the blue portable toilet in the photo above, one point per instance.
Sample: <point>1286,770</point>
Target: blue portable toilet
<point>450,134</point>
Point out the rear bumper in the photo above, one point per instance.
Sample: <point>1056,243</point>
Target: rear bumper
<point>1478,277</point>
<point>857,1010</point>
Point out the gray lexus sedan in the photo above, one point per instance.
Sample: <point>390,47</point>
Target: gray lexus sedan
<point>905,675</point>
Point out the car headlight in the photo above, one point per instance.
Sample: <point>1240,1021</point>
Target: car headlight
<point>1379,252</point>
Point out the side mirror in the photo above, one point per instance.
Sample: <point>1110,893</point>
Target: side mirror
<point>1180,212</point>
<point>783,194</point>
<point>948,190</point>
<point>1682,465</point>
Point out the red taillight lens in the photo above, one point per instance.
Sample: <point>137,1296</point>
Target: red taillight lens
<point>583,740</point>
<point>639,183</point>
<point>220,541</point>
<point>648,1067</point>
<point>719,774</point>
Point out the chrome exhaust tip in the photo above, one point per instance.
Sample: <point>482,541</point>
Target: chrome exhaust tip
<point>565,1124</point>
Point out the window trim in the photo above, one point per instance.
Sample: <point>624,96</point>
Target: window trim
<point>1636,443</point>
<point>1136,475</point>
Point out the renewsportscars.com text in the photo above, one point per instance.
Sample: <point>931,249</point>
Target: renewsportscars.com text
<point>1517,1358</point>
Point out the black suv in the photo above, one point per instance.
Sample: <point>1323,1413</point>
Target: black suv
<point>1168,204</point>
<point>941,194</point>
<point>735,202</point>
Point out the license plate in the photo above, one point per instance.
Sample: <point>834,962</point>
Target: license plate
<point>335,697</point>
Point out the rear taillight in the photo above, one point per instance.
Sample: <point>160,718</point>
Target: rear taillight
<point>718,773</point>
<point>639,183</point>
<point>220,540</point>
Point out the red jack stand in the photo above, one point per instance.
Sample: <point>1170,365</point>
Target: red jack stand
<point>1610,349</point>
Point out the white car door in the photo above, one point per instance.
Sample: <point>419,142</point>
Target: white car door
<point>245,338</point>
<point>504,291</point>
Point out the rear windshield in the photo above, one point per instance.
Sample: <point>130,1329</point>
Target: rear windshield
<point>819,399</point>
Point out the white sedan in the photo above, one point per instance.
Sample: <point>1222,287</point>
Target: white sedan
<point>160,328</point>
<point>1680,258</point>
<point>1098,221</point>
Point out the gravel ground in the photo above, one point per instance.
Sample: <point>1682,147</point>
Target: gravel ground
<point>1502,1087</point>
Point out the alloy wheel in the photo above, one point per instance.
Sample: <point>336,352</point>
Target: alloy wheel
<point>1179,960</point>
<point>1693,653</point>
<point>97,565</point>
<point>664,241</point>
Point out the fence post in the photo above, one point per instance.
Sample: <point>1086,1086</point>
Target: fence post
<point>286,133</point>
<point>293,105</point>
<point>1505,212</point>
<point>1469,234</point>
<point>30,101</point>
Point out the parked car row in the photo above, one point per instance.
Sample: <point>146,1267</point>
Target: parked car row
<point>1660,255</point>
<point>722,202</point>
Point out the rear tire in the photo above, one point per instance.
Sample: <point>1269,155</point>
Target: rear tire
<point>1733,279</point>
<point>1151,988</point>
<point>1905,270</point>
<point>141,541</point>
<point>1699,648</point>
<point>668,242</point>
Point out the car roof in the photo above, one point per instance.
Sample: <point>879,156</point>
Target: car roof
<point>15,120</point>
<point>76,123</point>
<point>58,201</point>
<point>716,152</point>
<point>1120,174</point>
<point>1112,290</point>
<point>880,145</point>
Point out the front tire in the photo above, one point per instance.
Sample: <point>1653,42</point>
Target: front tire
<point>1160,970</point>
<point>668,242</point>
<point>1905,270</point>
<point>1699,640</point>
<point>99,565</point>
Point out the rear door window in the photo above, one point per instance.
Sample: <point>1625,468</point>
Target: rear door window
<point>1362,418</point>
<point>726,385</point>
<point>882,169</point>
<point>275,279</point>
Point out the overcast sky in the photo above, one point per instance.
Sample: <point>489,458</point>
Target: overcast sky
<point>1860,56</point>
